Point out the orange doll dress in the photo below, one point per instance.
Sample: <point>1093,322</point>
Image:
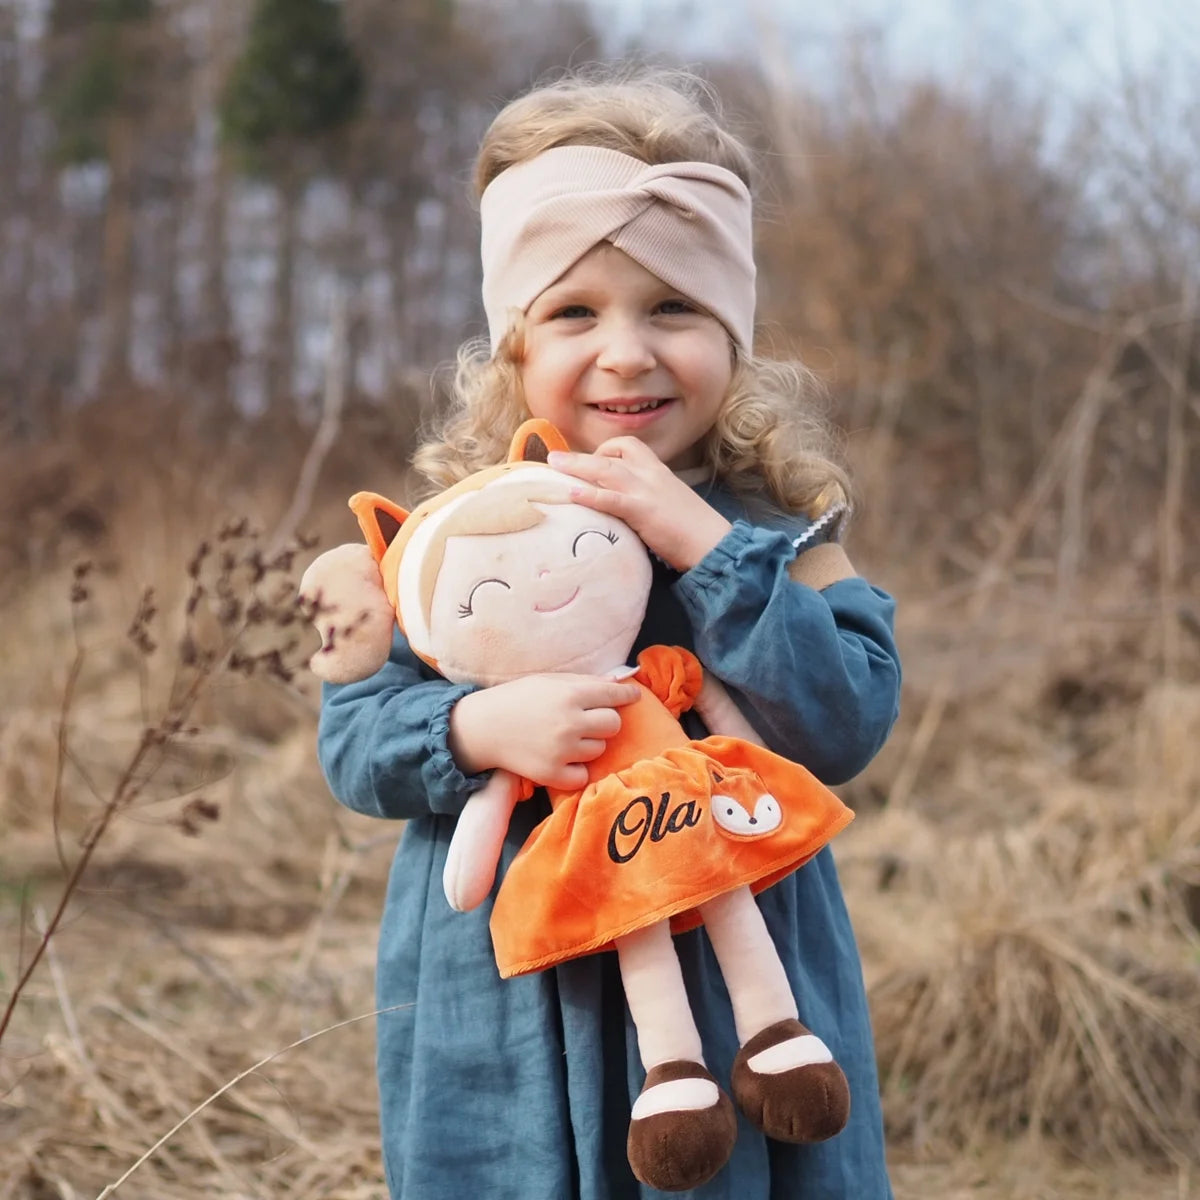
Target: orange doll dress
<point>640,844</point>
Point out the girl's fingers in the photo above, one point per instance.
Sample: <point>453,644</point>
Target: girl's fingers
<point>590,748</point>
<point>582,466</point>
<point>602,499</point>
<point>607,469</point>
<point>570,779</point>
<point>619,484</point>
<point>603,722</point>
<point>606,693</point>
<point>624,447</point>
<point>605,458</point>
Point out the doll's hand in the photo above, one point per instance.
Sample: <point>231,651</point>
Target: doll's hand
<point>626,478</point>
<point>541,727</point>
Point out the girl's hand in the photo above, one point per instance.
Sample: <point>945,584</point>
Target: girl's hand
<point>626,478</point>
<point>541,727</point>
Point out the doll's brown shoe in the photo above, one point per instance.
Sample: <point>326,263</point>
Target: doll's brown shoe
<point>677,1148</point>
<point>786,1082</point>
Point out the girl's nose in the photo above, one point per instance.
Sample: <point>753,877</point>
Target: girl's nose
<point>626,352</point>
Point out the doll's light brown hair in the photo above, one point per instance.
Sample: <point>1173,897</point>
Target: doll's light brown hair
<point>506,509</point>
<point>769,440</point>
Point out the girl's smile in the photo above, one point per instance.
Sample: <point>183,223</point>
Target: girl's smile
<point>611,349</point>
<point>632,416</point>
<point>633,407</point>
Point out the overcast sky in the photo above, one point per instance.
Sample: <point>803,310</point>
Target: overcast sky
<point>1078,44</point>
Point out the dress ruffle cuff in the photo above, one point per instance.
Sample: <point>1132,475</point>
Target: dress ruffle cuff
<point>446,786</point>
<point>723,570</point>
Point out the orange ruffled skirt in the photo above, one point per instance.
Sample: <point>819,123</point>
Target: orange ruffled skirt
<point>654,841</point>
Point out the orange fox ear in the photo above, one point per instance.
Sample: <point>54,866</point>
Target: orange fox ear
<point>534,441</point>
<point>379,519</point>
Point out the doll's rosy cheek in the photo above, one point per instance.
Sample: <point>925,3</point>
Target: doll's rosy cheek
<point>483,643</point>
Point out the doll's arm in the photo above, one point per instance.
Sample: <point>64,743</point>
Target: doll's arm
<point>720,714</point>
<point>478,840</point>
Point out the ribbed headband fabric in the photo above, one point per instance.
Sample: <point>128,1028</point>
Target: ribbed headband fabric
<point>689,223</point>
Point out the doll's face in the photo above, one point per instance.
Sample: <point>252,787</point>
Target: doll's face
<point>567,594</point>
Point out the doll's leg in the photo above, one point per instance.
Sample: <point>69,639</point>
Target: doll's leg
<point>784,1077</point>
<point>683,1126</point>
<point>477,842</point>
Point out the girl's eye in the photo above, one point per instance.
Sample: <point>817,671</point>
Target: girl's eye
<point>606,534</point>
<point>572,312</point>
<point>466,610</point>
<point>673,308</point>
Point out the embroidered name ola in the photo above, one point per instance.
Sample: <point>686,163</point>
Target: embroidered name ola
<point>641,819</point>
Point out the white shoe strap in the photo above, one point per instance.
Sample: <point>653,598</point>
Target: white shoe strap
<point>787,1056</point>
<point>678,1095</point>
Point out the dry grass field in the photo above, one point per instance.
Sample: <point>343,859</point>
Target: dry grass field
<point>1024,875</point>
<point>998,283</point>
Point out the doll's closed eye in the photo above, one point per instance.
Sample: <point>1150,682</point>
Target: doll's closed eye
<point>466,610</point>
<point>606,534</point>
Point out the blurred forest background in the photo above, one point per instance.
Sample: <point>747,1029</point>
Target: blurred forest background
<point>236,241</point>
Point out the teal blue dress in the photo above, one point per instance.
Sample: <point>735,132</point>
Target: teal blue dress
<point>521,1089</point>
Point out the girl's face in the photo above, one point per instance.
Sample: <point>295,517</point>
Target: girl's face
<point>610,349</point>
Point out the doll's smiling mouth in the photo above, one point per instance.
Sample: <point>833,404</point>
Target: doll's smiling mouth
<point>555,607</point>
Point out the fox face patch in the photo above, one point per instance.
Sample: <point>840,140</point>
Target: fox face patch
<point>741,807</point>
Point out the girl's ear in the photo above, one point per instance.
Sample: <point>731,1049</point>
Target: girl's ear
<point>379,519</point>
<point>534,441</point>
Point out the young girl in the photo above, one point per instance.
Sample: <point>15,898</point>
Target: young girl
<point>619,292</point>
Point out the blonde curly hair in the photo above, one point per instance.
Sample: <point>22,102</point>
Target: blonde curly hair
<point>770,440</point>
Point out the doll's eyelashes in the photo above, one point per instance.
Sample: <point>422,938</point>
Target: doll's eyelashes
<point>606,534</point>
<point>465,610</point>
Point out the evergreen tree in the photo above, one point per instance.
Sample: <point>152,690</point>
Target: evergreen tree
<point>99,83</point>
<point>95,72</point>
<point>297,82</point>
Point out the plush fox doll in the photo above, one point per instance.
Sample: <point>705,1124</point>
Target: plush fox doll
<point>503,576</point>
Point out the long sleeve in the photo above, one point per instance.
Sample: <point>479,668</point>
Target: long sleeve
<point>817,673</point>
<point>383,742</point>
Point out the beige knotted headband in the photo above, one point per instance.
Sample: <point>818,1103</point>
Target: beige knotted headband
<point>689,223</point>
